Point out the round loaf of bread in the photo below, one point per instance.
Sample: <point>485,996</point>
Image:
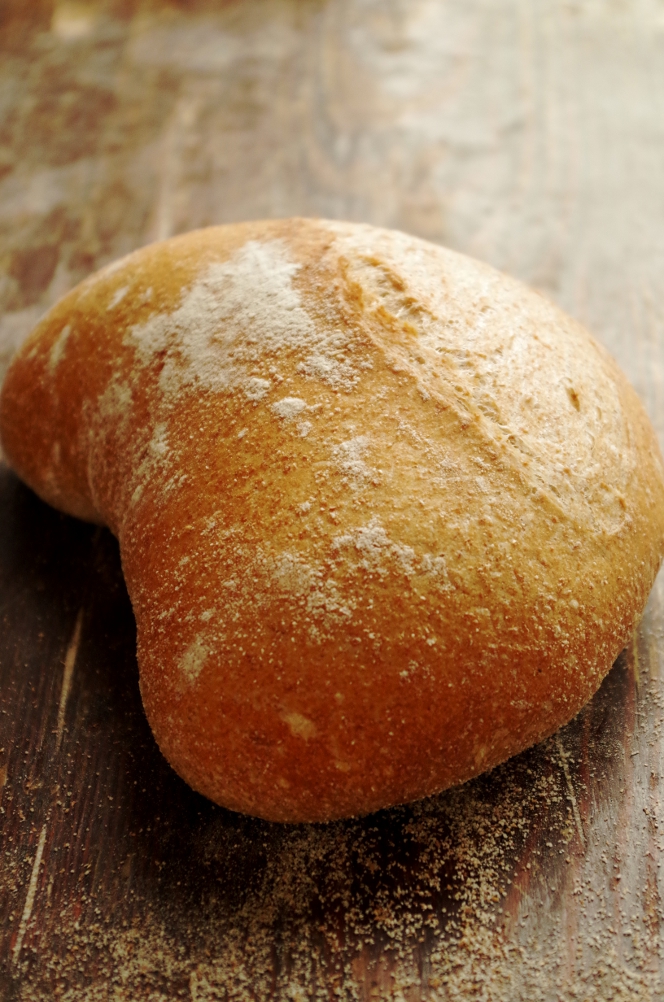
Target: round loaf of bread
<point>386,516</point>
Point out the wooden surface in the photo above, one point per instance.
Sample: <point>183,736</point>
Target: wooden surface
<point>526,132</point>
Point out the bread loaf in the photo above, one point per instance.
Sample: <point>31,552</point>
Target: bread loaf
<point>386,516</point>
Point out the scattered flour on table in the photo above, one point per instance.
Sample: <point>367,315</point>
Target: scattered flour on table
<point>425,902</point>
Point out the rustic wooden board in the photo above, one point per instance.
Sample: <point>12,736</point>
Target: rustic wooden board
<point>530,134</point>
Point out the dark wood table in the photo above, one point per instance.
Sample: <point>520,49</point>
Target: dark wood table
<point>528,134</point>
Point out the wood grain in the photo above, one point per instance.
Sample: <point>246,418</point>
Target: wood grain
<point>528,134</point>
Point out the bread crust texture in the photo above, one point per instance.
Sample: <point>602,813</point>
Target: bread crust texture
<point>386,516</point>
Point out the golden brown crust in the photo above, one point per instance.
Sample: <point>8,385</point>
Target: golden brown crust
<point>386,516</point>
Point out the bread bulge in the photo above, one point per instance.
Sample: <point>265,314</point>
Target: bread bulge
<point>386,516</point>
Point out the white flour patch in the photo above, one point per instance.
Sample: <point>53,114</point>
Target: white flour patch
<point>158,458</point>
<point>300,726</point>
<point>373,549</point>
<point>436,567</point>
<point>336,371</point>
<point>289,407</point>
<point>293,575</point>
<point>159,441</point>
<point>370,542</point>
<point>314,590</point>
<point>58,348</point>
<point>349,457</point>
<point>115,402</point>
<point>255,388</point>
<point>237,315</point>
<point>118,296</point>
<point>191,664</point>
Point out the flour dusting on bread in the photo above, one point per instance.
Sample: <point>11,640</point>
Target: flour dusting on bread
<point>239,314</point>
<point>386,516</point>
<point>505,353</point>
